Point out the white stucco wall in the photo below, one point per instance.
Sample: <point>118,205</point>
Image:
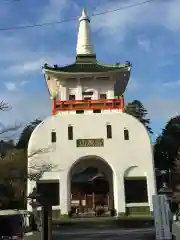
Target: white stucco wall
<point>79,85</point>
<point>131,157</point>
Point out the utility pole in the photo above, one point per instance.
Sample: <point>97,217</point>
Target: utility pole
<point>46,216</point>
<point>46,223</point>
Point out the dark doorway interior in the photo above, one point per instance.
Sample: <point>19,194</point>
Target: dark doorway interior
<point>90,190</point>
<point>50,190</point>
<point>136,190</point>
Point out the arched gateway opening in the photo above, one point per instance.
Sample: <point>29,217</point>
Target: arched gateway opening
<point>91,180</point>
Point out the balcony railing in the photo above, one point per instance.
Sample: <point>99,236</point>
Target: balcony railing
<point>102,104</point>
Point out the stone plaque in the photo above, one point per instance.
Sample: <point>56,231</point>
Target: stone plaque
<point>99,142</point>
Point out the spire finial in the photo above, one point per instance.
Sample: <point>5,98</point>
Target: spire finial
<point>84,16</point>
<point>84,44</point>
<point>84,13</point>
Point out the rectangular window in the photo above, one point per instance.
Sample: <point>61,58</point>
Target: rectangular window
<point>87,93</point>
<point>79,111</point>
<point>126,134</point>
<point>87,98</point>
<point>109,131</point>
<point>49,191</point>
<point>72,97</point>
<point>132,186</point>
<point>97,111</point>
<point>103,96</point>
<point>53,136</point>
<point>70,132</point>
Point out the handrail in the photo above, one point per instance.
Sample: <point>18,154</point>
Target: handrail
<point>176,230</point>
<point>99,104</point>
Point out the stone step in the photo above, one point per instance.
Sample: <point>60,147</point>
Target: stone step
<point>103,223</point>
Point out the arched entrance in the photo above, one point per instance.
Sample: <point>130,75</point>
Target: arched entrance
<point>91,186</point>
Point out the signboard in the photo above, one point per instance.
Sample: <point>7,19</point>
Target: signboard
<point>162,217</point>
<point>99,142</point>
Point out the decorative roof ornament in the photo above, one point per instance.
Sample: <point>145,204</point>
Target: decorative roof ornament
<point>84,43</point>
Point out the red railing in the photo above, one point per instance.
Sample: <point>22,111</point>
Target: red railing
<point>101,104</point>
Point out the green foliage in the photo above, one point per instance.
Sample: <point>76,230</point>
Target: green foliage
<point>167,146</point>
<point>13,165</point>
<point>137,110</point>
<point>13,175</point>
<point>13,170</point>
<point>26,133</point>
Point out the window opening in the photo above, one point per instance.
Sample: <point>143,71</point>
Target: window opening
<point>97,111</point>
<point>109,131</point>
<point>103,96</point>
<point>126,134</point>
<point>87,98</point>
<point>53,136</point>
<point>87,93</point>
<point>79,111</point>
<point>70,132</point>
<point>72,97</point>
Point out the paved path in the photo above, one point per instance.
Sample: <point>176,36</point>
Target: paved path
<point>95,234</point>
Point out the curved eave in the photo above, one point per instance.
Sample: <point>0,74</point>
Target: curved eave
<point>57,71</point>
<point>47,84</point>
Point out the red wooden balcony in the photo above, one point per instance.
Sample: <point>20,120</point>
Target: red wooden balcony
<point>101,104</point>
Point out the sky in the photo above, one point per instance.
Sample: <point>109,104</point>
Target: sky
<point>148,36</point>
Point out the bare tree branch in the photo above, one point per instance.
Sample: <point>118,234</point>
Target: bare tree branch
<point>10,128</point>
<point>36,169</point>
<point>36,152</point>
<point>30,166</point>
<point>36,172</point>
<point>4,106</point>
<point>6,129</point>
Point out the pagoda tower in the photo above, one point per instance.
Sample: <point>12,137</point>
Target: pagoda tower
<point>87,85</point>
<point>88,129</point>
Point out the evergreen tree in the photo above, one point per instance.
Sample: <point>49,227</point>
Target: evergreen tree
<point>26,133</point>
<point>167,146</point>
<point>137,110</point>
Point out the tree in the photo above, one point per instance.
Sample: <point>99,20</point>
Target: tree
<point>26,133</point>
<point>177,163</point>
<point>39,164</point>
<point>167,145</point>
<point>5,146</point>
<point>137,110</point>
<point>14,167</point>
<point>15,170</point>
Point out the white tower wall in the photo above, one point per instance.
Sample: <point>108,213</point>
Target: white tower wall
<point>127,158</point>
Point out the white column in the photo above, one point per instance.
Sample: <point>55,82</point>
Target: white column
<point>151,189</point>
<point>119,194</point>
<point>95,95</point>
<point>111,195</point>
<point>30,186</point>
<point>79,92</point>
<point>58,97</point>
<point>63,92</point>
<point>65,192</point>
<point>110,93</point>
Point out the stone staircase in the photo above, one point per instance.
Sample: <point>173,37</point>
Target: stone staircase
<point>103,223</point>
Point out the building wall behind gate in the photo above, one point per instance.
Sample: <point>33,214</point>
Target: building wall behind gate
<point>119,153</point>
